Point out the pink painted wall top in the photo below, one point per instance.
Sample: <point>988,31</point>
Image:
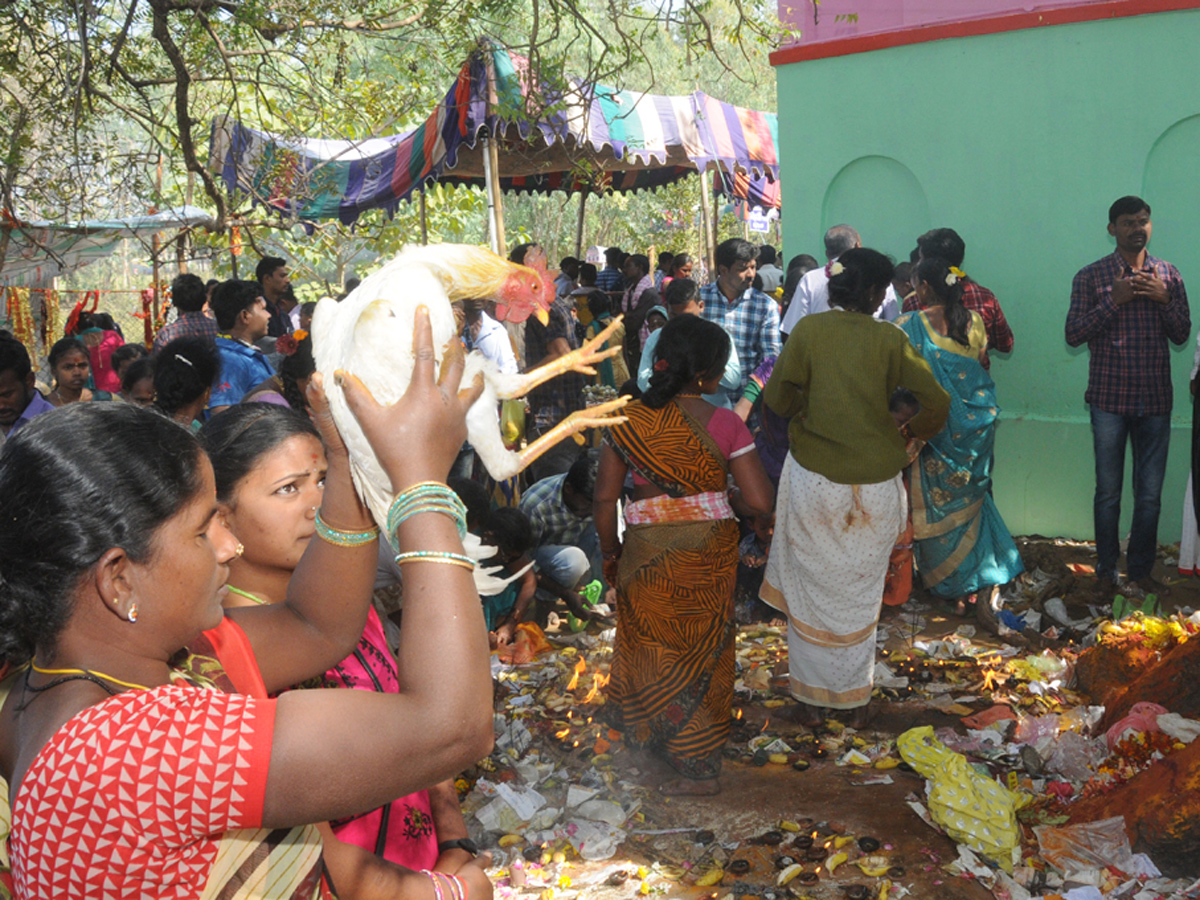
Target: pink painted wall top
<point>832,20</point>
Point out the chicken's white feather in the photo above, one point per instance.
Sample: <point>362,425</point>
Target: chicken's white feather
<point>370,334</point>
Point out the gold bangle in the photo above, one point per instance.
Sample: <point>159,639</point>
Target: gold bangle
<point>434,556</point>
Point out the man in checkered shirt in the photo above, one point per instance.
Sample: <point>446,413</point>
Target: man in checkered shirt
<point>750,316</point>
<point>566,549</point>
<point>1127,306</point>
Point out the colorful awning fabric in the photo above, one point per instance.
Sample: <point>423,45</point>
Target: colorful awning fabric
<point>594,138</point>
<point>38,252</point>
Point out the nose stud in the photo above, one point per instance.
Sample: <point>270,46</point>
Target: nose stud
<point>239,550</point>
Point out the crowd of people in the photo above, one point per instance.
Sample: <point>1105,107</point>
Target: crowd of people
<point>183,565</point>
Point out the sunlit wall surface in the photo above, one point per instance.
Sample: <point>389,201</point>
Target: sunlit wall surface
<point>1020,140</point>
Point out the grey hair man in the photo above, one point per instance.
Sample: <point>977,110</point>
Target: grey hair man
<point>812,294</point>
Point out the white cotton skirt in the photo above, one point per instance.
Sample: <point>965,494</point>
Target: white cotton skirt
<point>826,571</point>
<point>1189,541</point>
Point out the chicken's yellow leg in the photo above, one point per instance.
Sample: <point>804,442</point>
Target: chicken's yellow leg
<point>580,360</point>
<point>592,417</point>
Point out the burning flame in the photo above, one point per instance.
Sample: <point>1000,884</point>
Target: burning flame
<point>598,681</point>
<point>580,668</point>
<point>739,713</point>
<point>765,724</point>
<point>562,734</point>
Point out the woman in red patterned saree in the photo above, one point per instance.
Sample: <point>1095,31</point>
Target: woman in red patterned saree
<point>673,663</point>
<point>133,769</point>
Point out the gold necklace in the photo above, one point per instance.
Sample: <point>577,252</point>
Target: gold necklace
<point>247,595</point>
<point>92,672</point>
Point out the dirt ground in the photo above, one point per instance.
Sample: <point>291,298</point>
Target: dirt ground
<point>824,800</point>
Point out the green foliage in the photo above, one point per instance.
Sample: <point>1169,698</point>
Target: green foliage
<point>97,97</point>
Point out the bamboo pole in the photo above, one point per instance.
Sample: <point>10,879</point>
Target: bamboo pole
<point>710,252</point>
<point>583,195</point>
<point>424,221</point>
<point>155,243</point>
<point>492,151</point>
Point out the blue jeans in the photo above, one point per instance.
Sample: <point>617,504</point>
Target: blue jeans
<point>570,565</point>
<point>1150,436</point>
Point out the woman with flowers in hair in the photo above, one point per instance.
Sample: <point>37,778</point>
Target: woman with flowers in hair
<point>841,498</point>
<point>289,385</point>
<point>961,544</point>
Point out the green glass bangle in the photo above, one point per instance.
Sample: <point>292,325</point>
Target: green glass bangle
<point>344,538</point>
<point>427,496</point>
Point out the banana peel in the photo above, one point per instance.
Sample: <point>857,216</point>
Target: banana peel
<point>885,888</point>
<point>785,825</point>
<point>711,877</point>
<point>873,866</point>
<point>889,762</point>
<point>788,874</point>
<point>842,841</point>
<point>834,861</point>
<point>509,839</point>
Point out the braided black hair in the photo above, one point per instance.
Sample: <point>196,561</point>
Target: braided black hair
<point>292,369</point>
<point>936,273</point>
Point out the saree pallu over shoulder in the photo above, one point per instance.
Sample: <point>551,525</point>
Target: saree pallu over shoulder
<point>669,448</point>
<point>673,663</point>
<point>961,544</point>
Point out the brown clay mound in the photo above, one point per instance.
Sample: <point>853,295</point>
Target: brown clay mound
<point>1107,669</point>
<point>1161,807</point>
<point>1173,682</point>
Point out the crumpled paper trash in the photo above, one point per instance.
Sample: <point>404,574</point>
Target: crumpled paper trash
<point>513,807</point>
<point>1074,849</point>
<point>885,677</point>
<point>605,811</point>
<point>591,840</point>
<point>1183,730</point>
<point>973,810</point>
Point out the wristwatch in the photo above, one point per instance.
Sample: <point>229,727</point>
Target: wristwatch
<point>459,844</point>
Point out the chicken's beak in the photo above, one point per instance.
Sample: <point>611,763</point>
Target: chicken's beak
<point>543,316</point>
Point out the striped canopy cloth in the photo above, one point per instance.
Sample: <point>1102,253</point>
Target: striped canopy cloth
<point>592,138</point>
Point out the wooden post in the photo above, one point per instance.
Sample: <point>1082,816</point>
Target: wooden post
<point>185,238</point>
<point>579,225</point>
<point>424,222</point>
<point>155,244</point>
<point>714,222</point>
<point>710,250</point>
<point>491,177</point>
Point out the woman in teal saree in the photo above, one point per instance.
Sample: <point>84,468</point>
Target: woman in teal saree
<point>961,544</point>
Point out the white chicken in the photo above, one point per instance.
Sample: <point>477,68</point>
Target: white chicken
<point>370,334</point>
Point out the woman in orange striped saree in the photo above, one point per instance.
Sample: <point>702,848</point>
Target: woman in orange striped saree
<point>673,663</point>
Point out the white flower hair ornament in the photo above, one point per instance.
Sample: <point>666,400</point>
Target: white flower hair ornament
<point>836,268</point>
<point>951,279</point>
<point>955,274</point>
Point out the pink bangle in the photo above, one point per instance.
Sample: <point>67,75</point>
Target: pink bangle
<point>437,885</point>
<point>462,886</point>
